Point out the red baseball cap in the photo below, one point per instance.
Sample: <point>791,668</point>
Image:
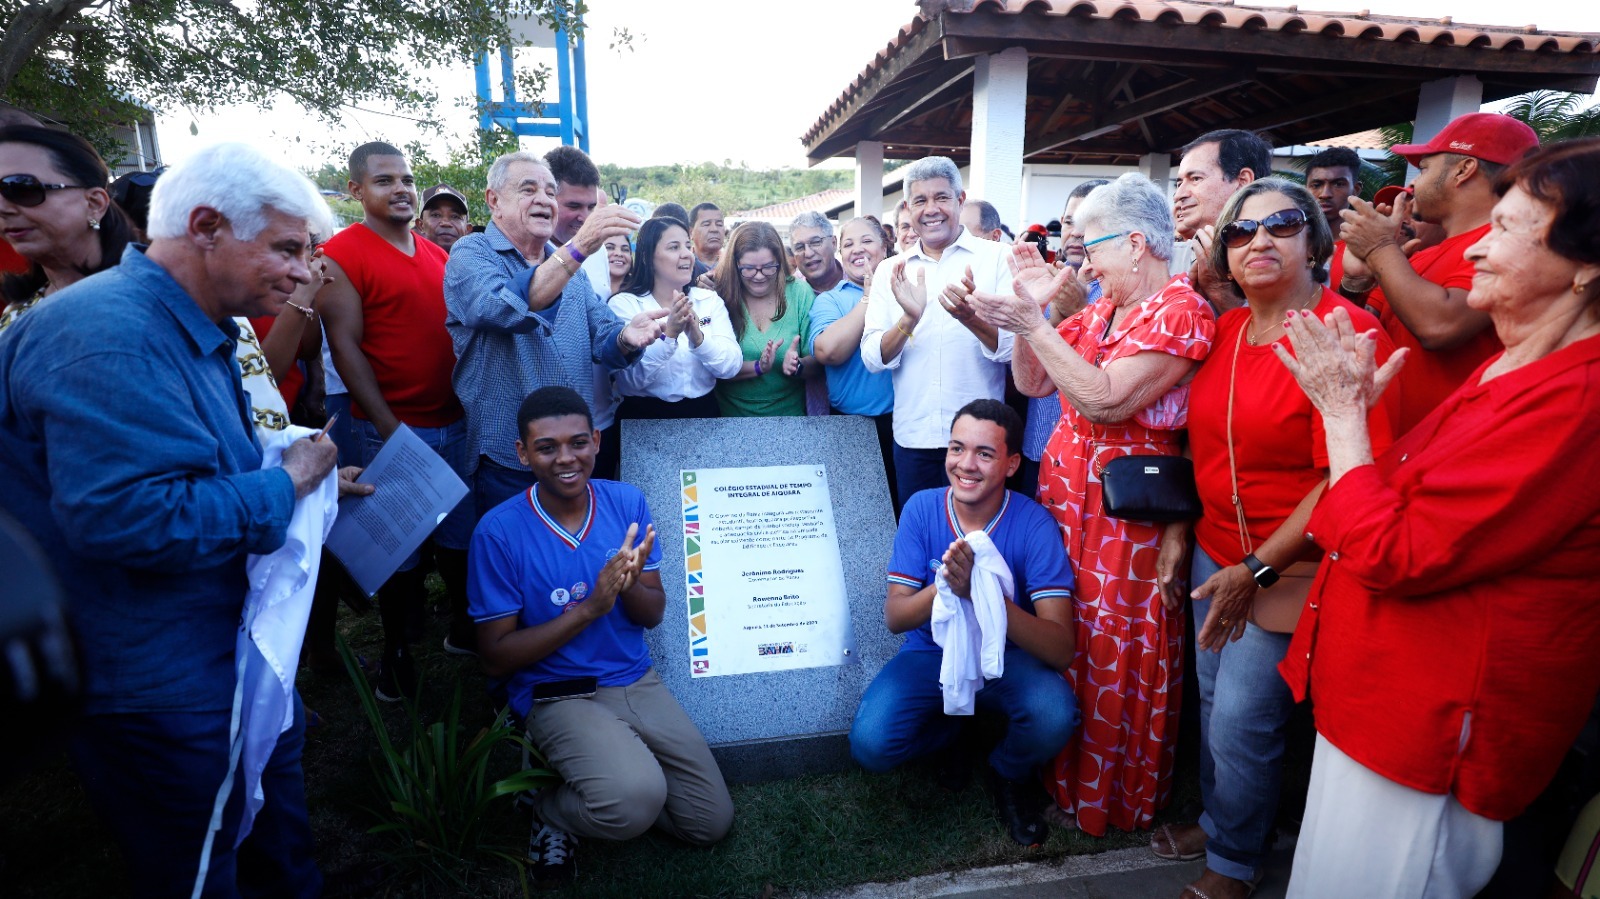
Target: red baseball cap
<point>1387,195</point>
<point>1038,229</point>
<point>1489,136</point>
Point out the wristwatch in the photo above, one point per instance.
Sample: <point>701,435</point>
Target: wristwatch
<point>1263,573</point>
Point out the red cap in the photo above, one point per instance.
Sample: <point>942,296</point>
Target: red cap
<point>1387,195</point>
<point>1038,229</point>
<point>1489,136</point>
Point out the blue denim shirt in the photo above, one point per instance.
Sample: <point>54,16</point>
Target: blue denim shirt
<point>126,439</point>
<point>504,351</point>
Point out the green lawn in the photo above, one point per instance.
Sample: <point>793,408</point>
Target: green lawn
<point>815,833</point>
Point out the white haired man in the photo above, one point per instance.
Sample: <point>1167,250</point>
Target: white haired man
<point>134,461</point>
<point>816,251</point>
<point>942,355</point>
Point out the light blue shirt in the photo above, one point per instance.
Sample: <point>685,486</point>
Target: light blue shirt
<point>851,388</point>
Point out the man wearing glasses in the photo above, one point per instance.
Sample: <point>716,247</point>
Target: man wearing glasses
<point>920,326</point>
<point>816,251</point>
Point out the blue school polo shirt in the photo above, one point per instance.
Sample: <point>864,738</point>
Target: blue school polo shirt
<point>1022,530</point>
<point>523,562</point>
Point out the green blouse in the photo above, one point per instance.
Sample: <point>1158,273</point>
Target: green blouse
<point>774,393</point>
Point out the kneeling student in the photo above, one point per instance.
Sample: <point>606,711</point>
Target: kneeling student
<point>562,583</point>
<point>907,710</point>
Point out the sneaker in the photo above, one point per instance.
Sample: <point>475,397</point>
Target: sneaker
<point>397,678</point>
<point>550,861</point>
<point>1017,802</point>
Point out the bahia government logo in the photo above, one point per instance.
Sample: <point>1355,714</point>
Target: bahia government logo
<point>775,649</point>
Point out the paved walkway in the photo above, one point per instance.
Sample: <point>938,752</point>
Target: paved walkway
<point>1123,874</point>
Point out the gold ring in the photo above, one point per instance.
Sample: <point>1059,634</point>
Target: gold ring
<point>1223,622</point>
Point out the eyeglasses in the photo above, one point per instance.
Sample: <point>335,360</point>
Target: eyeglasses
<point>1284,223</point>
<point>765,271</point>
<point>815,245</point>
<point>26,190</point>
<point>1103,240</point>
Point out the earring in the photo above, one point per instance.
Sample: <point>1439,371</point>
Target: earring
<point>94,224</point>
<point>1136,268</point>
<point>1578,287</point>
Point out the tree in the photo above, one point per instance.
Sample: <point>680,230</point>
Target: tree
<point>86,62</point>
<point>1556,115</point>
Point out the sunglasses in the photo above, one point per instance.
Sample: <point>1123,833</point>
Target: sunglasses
<point>1284,223</point>
<point>26,190</point>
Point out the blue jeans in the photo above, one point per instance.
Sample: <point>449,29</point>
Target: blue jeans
<point>902,717</point>
<point>352,449</point>
<point>1244,709</point>
<point>493,484</point>
<point>917,469</point>
<point>153,778</point>
<point>450,442</point>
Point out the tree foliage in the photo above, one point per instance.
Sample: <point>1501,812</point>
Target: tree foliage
<point>86,62</point>
<point>732,188</point>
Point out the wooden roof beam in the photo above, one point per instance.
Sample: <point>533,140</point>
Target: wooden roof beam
<point>1151,104</point>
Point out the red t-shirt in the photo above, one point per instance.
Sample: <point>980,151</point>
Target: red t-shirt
<point>403,333</point>
<point>11,262</point>
<point>1277,434</point>
<point>1336,265</point>
<point>289,382</point>
<point>1449,641</point>
<point>1431,375</point>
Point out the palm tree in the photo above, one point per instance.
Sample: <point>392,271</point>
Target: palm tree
<point>1556,115</point>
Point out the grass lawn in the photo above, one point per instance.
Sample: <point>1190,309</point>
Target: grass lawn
<point>815,833</point>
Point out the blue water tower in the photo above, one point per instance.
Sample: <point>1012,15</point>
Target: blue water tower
<point>531,118</point>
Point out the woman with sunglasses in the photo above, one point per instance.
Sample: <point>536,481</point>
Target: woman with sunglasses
<point>770,310</point>
<point>56,213</point>
<point>674,376</point>
<point>1261,462</point>
<point>1121,365</point>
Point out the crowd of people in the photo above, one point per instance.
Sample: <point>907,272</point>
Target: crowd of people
<point>1365,476</point>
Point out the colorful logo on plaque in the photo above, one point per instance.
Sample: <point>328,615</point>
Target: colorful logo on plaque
<point>699,646</point>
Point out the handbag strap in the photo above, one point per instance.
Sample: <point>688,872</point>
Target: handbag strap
<point>1233,468</point>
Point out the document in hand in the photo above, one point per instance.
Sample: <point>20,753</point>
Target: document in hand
<point>414,489</point>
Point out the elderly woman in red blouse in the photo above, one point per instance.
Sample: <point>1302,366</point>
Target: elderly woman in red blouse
<point>1450,640</point>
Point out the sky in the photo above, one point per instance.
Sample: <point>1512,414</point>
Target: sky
<point>718,80</point>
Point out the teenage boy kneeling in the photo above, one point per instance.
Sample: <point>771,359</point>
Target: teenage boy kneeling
<point>903,713</point>
<point>562,583</point>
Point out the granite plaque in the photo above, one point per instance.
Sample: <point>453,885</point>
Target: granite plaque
<point>768,725</point>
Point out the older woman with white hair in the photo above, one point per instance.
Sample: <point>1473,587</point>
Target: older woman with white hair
<point>1122,367</point>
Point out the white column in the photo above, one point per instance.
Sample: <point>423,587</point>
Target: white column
<point>1158,168</point>
<point>999,120</point>
<point>1441,101</point>
<point>869,178</point>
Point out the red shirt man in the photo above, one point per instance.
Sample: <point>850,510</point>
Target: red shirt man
<point>1422,302</point>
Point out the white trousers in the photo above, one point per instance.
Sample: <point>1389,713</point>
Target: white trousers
<point>1365,835</point>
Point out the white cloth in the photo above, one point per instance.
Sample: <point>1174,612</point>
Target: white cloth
<point>332,384</point>
<point>275,613</point>
<point>944,367</point>
<point>973,633</point>
<point>1183,256</point>
<point>673,370</point>
<point>1365,835</point>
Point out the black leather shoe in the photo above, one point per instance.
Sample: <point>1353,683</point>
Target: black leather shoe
<point>1019,806</point>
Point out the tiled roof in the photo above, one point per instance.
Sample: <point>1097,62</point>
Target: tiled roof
<point>819,202</point>
<point>1361,140</point>
<point>1227,14</point>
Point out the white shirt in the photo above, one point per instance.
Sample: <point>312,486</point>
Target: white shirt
<point>945,366</point>
<point>672,370</point>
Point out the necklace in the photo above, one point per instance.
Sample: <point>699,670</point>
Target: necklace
<point>1250,334</point>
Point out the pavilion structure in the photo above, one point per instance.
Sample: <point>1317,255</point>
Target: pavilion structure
<point>999,83</point>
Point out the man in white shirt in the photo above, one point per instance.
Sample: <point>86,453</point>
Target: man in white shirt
<point>942,357</point>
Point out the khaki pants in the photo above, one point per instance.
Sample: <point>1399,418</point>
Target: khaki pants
<point>631,759</point>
